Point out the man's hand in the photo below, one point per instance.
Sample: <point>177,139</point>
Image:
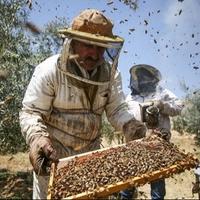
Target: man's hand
<point>42,154</point>
<point>134,129</point>
<point>163,133</point>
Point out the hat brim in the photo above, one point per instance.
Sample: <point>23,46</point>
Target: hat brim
<point>150,68</point>
<point>69,32</point>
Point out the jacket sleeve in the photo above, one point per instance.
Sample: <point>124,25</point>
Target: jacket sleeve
<point>37,102</point>
<point>134,107</point>
<point>172,106</point>
<point>117,109</point>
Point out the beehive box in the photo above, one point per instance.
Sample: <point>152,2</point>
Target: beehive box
<point>106,171</point>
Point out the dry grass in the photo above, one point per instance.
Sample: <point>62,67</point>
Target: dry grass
<point>14,163</point>
<point>178,187</point>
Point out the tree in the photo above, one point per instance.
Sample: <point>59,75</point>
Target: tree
<point>20,52</point>
<point>189,120</point>
<point>109,133</point>
<point>13,55</point>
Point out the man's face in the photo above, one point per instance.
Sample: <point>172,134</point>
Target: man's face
<point>89,54</point>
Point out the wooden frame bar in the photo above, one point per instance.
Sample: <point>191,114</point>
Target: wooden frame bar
<point>113,188</point>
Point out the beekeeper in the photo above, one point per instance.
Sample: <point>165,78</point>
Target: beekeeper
<point>145,86</point>
<point>68,93</point>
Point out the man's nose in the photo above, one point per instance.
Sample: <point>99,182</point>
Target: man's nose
<point>93,50</point>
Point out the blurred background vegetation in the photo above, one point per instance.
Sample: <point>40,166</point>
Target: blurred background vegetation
<point>22,47</point>
<point>189,120</point>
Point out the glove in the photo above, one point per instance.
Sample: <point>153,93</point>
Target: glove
<point>134,130</point>
<point>163,133</point>
<point>42,154</point>
<point>159,104</point>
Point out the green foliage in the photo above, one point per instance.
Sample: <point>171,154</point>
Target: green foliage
<point>189,120</point>
<point>48,42</point>
<point>178,124</point>
<point>108,132</point>
<point>20,52</point>
<point>13,55</point>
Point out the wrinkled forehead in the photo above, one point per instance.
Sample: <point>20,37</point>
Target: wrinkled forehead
<point>82,44</point>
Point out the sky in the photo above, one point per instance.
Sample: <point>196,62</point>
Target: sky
<point>161,33</point>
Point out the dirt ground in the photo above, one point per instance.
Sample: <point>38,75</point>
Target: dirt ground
<point>16,175</point>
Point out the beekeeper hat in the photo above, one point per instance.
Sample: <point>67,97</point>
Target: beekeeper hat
<point>93,25</point>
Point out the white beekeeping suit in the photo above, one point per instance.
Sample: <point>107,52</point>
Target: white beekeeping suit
<point>64,103</point>
<point>148,89</point>
<point>145,88</point>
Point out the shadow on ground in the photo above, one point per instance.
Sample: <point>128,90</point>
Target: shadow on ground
<point>15,185</point>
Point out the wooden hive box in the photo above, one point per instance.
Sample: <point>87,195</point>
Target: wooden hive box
<point>185,161</point>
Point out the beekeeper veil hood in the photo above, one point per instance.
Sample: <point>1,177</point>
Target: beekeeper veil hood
<point>144,79</point>
<point>93,28</point>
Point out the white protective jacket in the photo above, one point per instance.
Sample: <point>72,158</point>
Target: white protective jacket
<point>172,105</point>
<point>57,106</point>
